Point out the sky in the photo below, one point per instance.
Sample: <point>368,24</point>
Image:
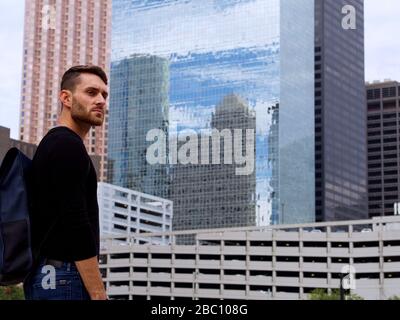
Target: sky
<point>382,51</point>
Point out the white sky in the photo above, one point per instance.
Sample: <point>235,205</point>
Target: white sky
<point>382,26</point>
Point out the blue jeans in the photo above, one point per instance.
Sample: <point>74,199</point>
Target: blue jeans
<point>47,282</point>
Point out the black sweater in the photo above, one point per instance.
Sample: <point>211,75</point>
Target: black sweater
<point>64,198</point>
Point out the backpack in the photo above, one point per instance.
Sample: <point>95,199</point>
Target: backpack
<point>16,257</point>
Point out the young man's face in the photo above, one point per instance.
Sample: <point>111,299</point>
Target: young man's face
<point>89,100</point>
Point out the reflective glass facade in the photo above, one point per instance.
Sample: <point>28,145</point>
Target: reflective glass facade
<point>214,195</point>
<point>259,51</point>
<point>138,103</point>
<point>296,113</point>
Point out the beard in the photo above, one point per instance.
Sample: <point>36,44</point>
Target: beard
<point>80,114</point>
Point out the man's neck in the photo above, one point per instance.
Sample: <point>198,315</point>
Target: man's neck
<point>80,128</point>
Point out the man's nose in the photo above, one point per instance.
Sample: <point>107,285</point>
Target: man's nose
<point>101,101</point>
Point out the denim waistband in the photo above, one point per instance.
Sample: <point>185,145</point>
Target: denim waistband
<point>58,264</point>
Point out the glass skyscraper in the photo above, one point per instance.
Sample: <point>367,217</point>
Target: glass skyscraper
<point>204,52</point>
<point>138,103</point>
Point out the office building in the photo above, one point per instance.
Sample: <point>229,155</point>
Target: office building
<point>7,143</point>
<point>57,36</point>
<point>138,104</point>
<point>208,60</point>
<point>383,106</point>
<point>340,115</point>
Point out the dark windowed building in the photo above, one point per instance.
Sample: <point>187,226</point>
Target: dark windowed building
<point>340,115</point>
<point>6,143</point>
<point>383,105</point>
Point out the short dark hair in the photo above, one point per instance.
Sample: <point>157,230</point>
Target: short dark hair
<point>71,77</point>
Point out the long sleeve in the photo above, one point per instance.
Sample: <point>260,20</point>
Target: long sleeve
<point>69,170</point>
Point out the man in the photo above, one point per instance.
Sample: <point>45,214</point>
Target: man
<point>65,217</point>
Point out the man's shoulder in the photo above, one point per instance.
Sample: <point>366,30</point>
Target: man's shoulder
<point>62,135</point>
<point>61,140</point>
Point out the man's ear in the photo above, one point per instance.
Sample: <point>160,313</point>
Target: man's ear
<point>66,98</point>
